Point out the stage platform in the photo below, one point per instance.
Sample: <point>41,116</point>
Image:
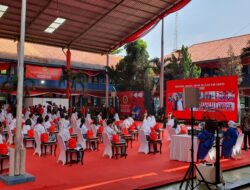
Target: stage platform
<point>137,171</point>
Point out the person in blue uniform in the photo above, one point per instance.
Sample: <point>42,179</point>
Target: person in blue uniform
<point>230,136</point>
<point>206,141</point>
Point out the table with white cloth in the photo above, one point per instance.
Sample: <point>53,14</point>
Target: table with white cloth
<point>180,148</point>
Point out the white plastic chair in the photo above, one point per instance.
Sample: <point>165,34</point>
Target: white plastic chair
<point>38,144</point>
<point>107,145</point>
<point>62,150</point>
<point>237,147</point>
<point>80,139</point>
<point>143,142</point>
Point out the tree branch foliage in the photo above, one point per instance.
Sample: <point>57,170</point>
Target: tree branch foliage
<point>231,66</point>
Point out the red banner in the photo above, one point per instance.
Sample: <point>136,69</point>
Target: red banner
<point>45,73</point>
<point>216,93</point>
<point>4,66</point>
<point>131,102</point>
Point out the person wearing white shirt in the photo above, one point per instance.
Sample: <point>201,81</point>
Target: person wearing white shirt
<point>149,121</point>
<point>83,128</point>
<point>131,120</point>
<point>33,123</point>
<point>170,122</point>
<point>179,104</point>
<point>12,124</point>
<point>26,127</point>
<point>64,123</point>
<point>88,118</point>
<point>108,129</point>
<point>116,117</point>
<point>9,117</point>
<point>2,117</point>
<point>99,116</point>
<point>1,137</point>
<point>39,128</point>
<point>153,121</point>
<point>46,123</point>
<point>27,114</point>
<point>126,123</point>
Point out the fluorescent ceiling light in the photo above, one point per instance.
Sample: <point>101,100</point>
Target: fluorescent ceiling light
<point>3,9</point>
<point>49,30</point>
<point>54,25</point>
<point>60,20</point>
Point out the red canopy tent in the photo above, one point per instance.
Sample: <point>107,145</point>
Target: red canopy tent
<point>93,26</point>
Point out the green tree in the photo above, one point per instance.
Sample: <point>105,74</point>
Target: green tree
<point>74,78</point>
<point>231,65</point>
<point>128,74</point>
<point>181,65</point>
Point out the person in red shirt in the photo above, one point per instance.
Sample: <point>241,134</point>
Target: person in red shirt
<point>40,110</point>
<point>83,110</point>
<point>111,111</point>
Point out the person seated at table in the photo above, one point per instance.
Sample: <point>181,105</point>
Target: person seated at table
<point>88,118</point>
<point>126,122</point>
<point>230,136</point>
<point>26,127</point>
<point>130,119</point>
<point>64,122</point>
<point>2,117</point>
<point>39,128</point>
<point>9,117</point>
<point>109,129</point>
<point>83,128</point>
<point>115,127</point>
<point>99,116</point>
<point>1,130</point>
<point>12,123</point>
<point>206,140</point>
<point>116,117</point>
<point>171,120</point>
<point>176,126</point>
<point>46,123</point>
<point>33,123</point>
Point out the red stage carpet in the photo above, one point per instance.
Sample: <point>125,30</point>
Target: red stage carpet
<point>138,171</point>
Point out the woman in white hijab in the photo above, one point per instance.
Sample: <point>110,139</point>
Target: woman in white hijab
<point>116,117</point>
<point>88,118</point>
<point>145,126</point>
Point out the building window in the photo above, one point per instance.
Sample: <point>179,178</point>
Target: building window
<point>243,102</point>
<point>3,72</point>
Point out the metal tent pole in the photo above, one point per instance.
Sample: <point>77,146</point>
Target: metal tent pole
<point>20,49</point>
<point>107,84</point>
<point>162,66</point>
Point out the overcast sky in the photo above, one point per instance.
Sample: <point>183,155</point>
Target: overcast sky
<point>200,21</point>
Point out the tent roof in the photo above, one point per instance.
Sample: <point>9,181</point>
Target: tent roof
<point>91,25</point>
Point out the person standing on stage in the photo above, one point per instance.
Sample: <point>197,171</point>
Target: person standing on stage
<point>245,126</point>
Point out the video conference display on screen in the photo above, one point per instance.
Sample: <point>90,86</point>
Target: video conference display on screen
<point>215,93</point>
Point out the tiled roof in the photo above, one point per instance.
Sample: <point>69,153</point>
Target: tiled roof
<point>54,56</point>
<point>216,49</point>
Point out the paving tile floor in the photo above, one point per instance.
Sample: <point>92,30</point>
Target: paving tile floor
<point>234,179</point>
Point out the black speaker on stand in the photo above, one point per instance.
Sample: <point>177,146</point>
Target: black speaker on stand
<point>191,100</point>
